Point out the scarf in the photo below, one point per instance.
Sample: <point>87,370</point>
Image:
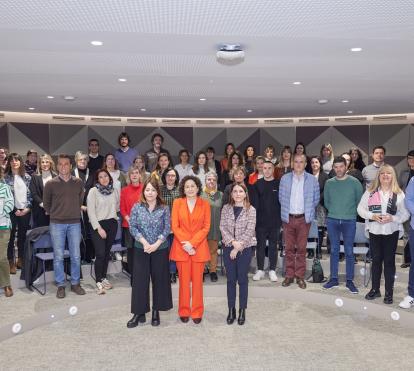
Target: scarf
<point>374,203</point>
<point>210,192</point>
<point>105,190</point>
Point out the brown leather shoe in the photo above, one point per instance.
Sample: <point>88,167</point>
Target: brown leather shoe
<point>77,289</point>
<point>287,281</point>
<point>60,292</point>
<point>8,291</point>
<point>301,283</point>
<point>19,263</point>
<point>12,266</point>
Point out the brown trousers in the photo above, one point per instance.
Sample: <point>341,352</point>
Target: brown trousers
<point>4,263</point>
<point>295,234</point>
<point>213,246</point>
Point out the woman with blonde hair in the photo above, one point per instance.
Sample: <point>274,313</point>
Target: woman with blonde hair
<point>139,163</point>
<point>285,164</point>
<point>382,206</point>
<point>327,157</point>
<point>45,171</point>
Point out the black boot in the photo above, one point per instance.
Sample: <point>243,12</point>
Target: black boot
<point>136,318</point>
<point>388,297</point>
<point>231,316</point>
<point>173,278</point>
<point>373,293</point>
<point>242,317</point>
<point>155,321</point>
<point>310,254</point>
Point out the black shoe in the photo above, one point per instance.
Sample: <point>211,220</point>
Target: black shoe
<point>196,320</point>
<point>373,294</point>
<point>155,321</point>
<point>311,254</point>
<point>184,319</point>
<point>173,278</point>
<point>231,316</point>
<point>242,317</point>
<point>388,298</point>
<point>405,265</point>
<point>341,256</point>
<point>355,260</point>
<point>213,277</point>
<point>136,318</point>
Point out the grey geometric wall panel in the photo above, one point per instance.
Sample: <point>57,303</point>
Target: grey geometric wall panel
<point>277,137</point>
<point>384,135</point>
<point>107,136</point>
<point>64,138</point>
<point>140,137</point>
<point>21,141</point>
<point>309,134</point>
<point>4,136</point>
<point>314,147</point>
<point>241,136</point>
<point>210,137</point>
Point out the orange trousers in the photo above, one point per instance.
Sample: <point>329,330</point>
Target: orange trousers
<point>190,273</point>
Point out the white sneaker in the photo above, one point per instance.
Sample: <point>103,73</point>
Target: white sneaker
<point>118,256</point>
<point>100,288</point>
<point>272,276</point>
<point>258,275</point>
<point>106,284</point>
<point>407,302</point>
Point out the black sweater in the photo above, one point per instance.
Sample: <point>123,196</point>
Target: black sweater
<point>266,202</point>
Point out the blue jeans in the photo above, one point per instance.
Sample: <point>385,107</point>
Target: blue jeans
<point>59,234</point>
<point>411,274</point>
<point>340,229</point>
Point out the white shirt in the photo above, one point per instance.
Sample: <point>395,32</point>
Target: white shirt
<point>183,170</point>
<point>46,176</point>
<point>398,219</point>
<point>297,203</point>
<point>20,192</point>
<point>115,177</point>
<point>201,175</point>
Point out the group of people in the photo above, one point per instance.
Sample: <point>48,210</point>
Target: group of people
<point>173,218</point>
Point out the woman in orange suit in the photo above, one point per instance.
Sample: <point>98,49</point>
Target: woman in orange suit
<point>190,223</point>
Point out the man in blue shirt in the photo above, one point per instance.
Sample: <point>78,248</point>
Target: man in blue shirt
<point>125,155</point>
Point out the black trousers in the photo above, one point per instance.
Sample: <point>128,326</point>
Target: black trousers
<point>154,266</point>
<point>21,225</point>
<point>237,271</point>
<point>103,247</point>
<point>383,248</point>
<point>407,255</point>
<point>263,235</point>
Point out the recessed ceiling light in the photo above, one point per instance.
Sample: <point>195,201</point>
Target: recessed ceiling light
<point>203,99</point>
<point>249,110</point>
<point>297,83</point>
<point>50,97</point>
<point>121,79</point>
<point>143,109</point>
<point>345,101</point>
<point>97,43</point>
<point>69,98</point>
<point>350,111</point>
<point>32,108</point>
<point>323,101</point>
<point>356,49</point>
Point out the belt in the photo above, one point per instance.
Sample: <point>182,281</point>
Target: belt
<point>296,216</point>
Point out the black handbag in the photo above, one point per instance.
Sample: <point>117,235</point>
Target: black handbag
<point>317,272</point>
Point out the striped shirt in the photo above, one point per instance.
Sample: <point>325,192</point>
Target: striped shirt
<point>6,205</point>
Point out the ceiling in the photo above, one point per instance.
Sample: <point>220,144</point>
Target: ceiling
<point>165,49</point>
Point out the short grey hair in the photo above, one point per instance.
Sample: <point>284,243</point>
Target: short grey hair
<point>81,154</point>
<point>211,173</point>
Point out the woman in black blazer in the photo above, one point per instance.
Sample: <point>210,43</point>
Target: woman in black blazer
<point>45,172</point>
<point>317,171</point>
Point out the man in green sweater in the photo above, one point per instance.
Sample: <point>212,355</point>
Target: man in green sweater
<point>341,197</point>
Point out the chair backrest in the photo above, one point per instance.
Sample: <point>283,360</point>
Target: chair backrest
<point>43,242</point>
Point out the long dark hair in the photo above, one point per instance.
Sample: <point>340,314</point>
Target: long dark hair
<point>154,182</point>
<point>15,156</point>
<point>111,181</point>
<point>196,166</point>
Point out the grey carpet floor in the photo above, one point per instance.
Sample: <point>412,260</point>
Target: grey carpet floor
<point>278,334</point>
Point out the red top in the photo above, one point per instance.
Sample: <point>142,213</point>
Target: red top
<point>253,178</point>
<point>130,195</point>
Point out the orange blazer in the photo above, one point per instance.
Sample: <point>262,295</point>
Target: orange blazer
<point>193,227</point>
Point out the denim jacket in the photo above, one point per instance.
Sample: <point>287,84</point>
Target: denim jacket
<point>9,180</point>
